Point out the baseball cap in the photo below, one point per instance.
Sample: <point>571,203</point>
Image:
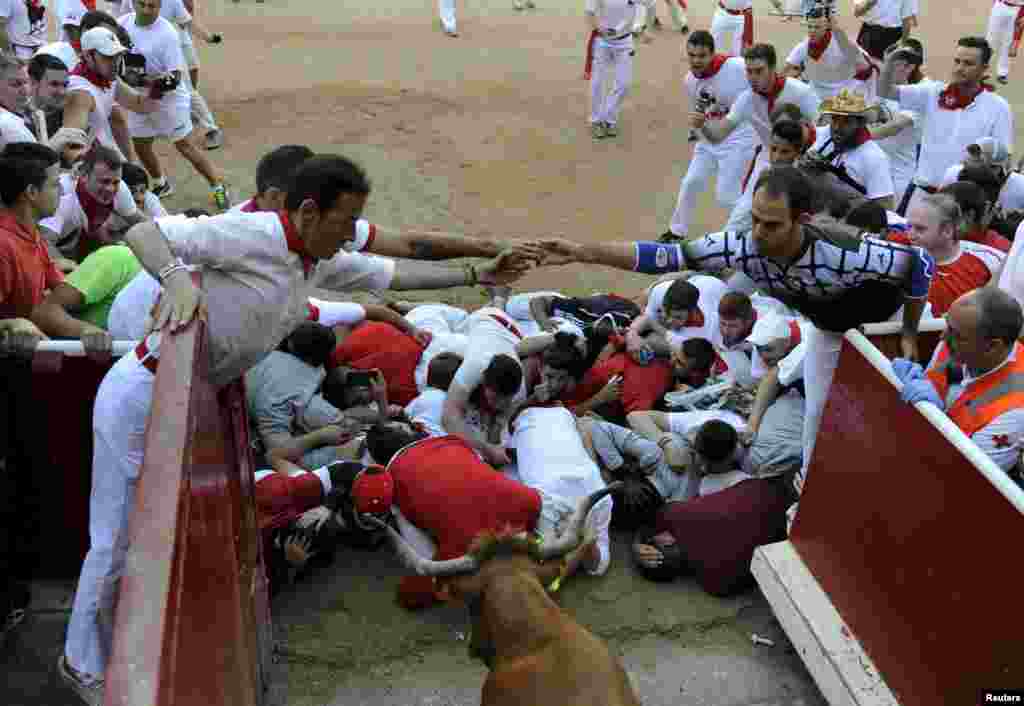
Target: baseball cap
<point>72,17</point>
<point>995,150</point>
<point>769,328</point>
<point>373,491</point>
<point>102,40</point>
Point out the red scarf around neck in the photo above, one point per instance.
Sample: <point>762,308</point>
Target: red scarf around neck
<point>91,5</point>
<point>91,76</point>
<point>295,243</point>
<point>863,135</point>
<point>772,93</point>
<point>953,98</point>
<point>96,213</point>
<point>717,61</point>
<point>817,47</point>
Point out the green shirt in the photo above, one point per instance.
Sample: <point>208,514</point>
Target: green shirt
<point>100,277</point>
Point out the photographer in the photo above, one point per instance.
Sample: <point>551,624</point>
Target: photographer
<point>156,66</point>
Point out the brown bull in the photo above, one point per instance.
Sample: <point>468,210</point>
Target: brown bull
<point>538,655</point>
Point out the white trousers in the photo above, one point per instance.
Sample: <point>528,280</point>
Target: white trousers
<point>119,427</point>
<point>820,363</point>
<point>610,78</point>
<point>446,8</point>
<point>740,218</point>
<point>1000,35</point>
<point>723,24</point>
<point>441,320</point>
<point>729,160</point>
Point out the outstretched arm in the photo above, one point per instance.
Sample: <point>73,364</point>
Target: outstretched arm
<point>433,245</point>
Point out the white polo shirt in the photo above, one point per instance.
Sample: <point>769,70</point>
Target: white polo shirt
<point>947,133</point>
<point>21,30</point>
<point>622,16</point>
<point>890,13</point>
<point>828,75</point>
<point>866,164</point>
<point>753,108</point>
<point>160,45</point>
<point>64,228</point>
<point>1011,197</point>
<point>551,458</point>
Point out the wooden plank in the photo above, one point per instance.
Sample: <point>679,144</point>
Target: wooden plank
<point>837,661</point>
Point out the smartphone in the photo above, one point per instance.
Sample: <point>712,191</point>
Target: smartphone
<point>361,378</point>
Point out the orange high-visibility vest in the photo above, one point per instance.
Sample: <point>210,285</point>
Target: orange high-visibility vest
<point>985,399</point>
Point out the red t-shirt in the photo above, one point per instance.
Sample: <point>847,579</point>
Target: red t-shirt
<point>989,238</point>
<point>26,270</point>
<point>375,344</point>
<point>972,269</point>
<point>443,487</point>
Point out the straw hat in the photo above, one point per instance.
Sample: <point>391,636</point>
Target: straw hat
<point>846,102</point>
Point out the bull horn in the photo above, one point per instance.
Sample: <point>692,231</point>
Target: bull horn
<point>419,564</point>
<point>574,532</point>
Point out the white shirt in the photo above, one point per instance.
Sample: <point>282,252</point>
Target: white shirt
<point>831,73</point>
<point>160,45</point>
<point>902,147</point>
<point>737,5</point>
<point>21,30</point>
<point>1002,439</point>
<point>791,367</point>
<point>13,129</point>
<point>739,356</point>
<point>550,457</point>
<point>725,87</point>
<point>1011,279</point>
<point>753,108</point>
<point>64,228</point>
<point>173,11</point>
<point>711,291</point>
<point>890,13</point>
<point>487,338</point>
<point>621,16</point>
<point>426,409</point>
<point>1011,196</point>
<point>63,51</point>
<point>99,119</point>
<point>867,164</point>
<point>947,133</point>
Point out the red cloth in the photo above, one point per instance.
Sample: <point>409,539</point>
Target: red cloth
<point>989,238</point>
<point>588,64</point>
<point>642,385</point>
<point>953,279</point>
<point>91,5</point>
<point>443,487</point>
<point>91,76</point>
<point>281,499</point>
<point>718,533</point>
<point>295,243</point>
<point>714,66</point>
<point>810,135</point>
<point>748,28</point>
<point>375,344</point>
<point>682,4</point>
<point>96,214</point>
<point>250,206</point>
<point>26,270</point>
<point>817,47</point>
<point>863,135</point>
<point>866,73</point>
<point>952,98</point>
<point>1018,28</point>
<point>773,93</point>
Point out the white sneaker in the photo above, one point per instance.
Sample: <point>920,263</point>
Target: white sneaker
<point>91,692</point>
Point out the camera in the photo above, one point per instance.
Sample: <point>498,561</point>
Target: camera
<point>133,69</point>
<point>164,84</point>
<point>704,101</point>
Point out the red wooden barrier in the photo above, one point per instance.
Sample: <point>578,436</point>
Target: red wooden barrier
<point>191,625</point>
<point>915,541</point>
<point>885,336</point>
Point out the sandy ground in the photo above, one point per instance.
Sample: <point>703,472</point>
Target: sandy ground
<point>485,134</point>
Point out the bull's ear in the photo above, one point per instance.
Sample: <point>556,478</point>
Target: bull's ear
<point>464,587</point>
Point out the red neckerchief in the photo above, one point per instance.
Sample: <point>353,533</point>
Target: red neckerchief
<point>794,334</point>
<point>250,206</point>
<point>866,73</point>
<point>717,61</point>
<point>91,76</point>
<point>91,5</point>
<point>952,98</point>
<point>810,135</point>
<point>96,213</point>
<point>295,243</point>
<point>862,136</point>
<point>817,47</point>
<point>76,44</point>
<point>772,93</point>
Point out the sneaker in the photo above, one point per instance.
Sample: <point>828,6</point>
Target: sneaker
<point>91,692</point>
<point>451,32</point>
<point>163,189</point>
<point>656,24</point>
<point>611,130</point>
<point>1003,79</point>
<point>519,4</point>
<point>219,196</point>
<point>214,140</point>
<point>670,237</point>
<point>597,130</point>
<point>685,29</point>
<point>530,4</point>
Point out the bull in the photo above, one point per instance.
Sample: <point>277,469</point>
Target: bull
<point>537,654</point>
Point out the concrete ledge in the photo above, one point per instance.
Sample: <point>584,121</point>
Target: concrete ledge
<point>840,666</point>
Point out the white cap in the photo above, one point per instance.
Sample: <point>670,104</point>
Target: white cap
<point>72,17</point>
<point>102,40</point>
<point>769,328</point>
<point>992,148</point>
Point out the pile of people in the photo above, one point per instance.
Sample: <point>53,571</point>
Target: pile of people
<point>869,193</point>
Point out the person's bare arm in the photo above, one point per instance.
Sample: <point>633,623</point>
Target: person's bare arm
<point>54,317</point>
<point>134,101</point>
<point>909,23</point>
<point>886,87</point>
<point>899,123</point>
<point>650,425</point>
<point>503,269</point>
<point>433,245</point>
<point>792,70</point>
<point>862,7</point>
<point>293,448</point>
<point>376,312</point>
<point>122,135</point>
<point>453,419</point>
<point>64,264</point>
<point>855,58</point>
<point>715,131</point>
<point>540,310</point>
<point>609,393</point>
<point>531,345</point>
<point>767,392</point>
<point>912,311</point>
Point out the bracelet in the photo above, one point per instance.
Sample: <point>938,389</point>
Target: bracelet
<point>169,269</point>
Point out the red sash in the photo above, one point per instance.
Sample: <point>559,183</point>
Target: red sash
<point>588,65</point>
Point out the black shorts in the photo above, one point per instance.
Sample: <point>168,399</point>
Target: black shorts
<point>875,39</point>
<point>586,311</point>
